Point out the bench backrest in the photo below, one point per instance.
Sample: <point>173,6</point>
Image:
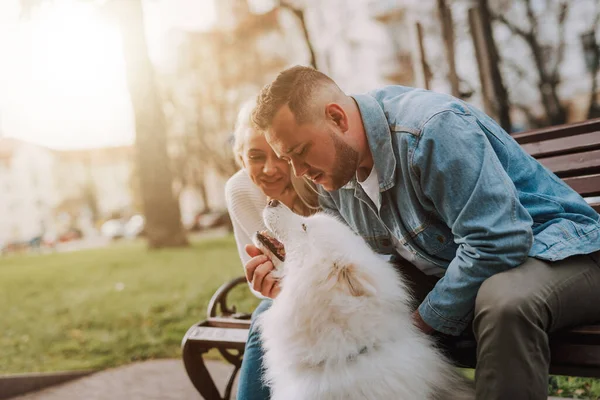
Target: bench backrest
<point>572,152</point>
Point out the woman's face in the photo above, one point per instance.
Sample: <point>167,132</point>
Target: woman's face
<point>266,170</point>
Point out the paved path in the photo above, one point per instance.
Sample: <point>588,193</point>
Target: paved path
<point>150,380</point>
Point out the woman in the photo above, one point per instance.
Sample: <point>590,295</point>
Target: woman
<point>263,177</point>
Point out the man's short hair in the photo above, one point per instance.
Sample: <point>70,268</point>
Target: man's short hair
<point>294,87</point>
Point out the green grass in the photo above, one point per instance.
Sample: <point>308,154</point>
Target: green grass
<point>576,388</point>
<point>66,311</point>
<point>564,386</point>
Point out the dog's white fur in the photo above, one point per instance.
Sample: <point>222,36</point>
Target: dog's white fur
<point>341,327</point>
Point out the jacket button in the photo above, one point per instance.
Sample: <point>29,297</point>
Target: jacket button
<point>385,242</point>
<point>441,239</point>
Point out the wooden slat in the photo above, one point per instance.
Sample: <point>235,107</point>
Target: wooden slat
<point>575,354</point>
<point>586,186</point>
<point>219,322</point>
<point>554,147</point>
<point>218,337</point>
<point>573,164</point>
<point>570,370</point>
<point>592,330</point>
<point>587,334</point>
<point>558,131</point>
<point>596,206</point>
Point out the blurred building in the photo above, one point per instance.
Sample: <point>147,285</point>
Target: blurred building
<point>48,192</point>
<point>28,190</point>
<point>95,184</point>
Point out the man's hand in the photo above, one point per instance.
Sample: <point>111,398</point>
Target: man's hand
<point>422,325</point>
<point>258,273</point>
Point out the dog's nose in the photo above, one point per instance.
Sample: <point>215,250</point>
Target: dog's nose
<point>273,203</point>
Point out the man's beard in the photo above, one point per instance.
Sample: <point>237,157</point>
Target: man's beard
<point>346,163</point>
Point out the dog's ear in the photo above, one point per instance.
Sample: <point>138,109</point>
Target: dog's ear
<point>351,280</point>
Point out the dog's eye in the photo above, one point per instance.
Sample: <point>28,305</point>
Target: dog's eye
<point>304,227</point>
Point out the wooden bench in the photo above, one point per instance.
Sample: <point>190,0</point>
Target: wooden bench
<point>570,151</point>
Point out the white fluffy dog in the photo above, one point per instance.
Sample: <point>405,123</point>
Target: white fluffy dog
<point>341,327</point>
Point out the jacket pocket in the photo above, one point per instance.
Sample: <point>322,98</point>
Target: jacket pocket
<point>436,238</point>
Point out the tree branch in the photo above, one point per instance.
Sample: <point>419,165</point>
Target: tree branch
<point>531,16</point>
<point>519,70</point>
<point>513,28</point>
<point>560,51</point>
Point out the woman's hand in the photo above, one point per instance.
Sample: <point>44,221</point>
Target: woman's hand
<point>258,273</point>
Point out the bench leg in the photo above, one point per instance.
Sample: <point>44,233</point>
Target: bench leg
<point>199,375</point>
<point>230,383</point>
<point>236,360</point>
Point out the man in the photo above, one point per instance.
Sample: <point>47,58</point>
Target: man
<point>433,179</point>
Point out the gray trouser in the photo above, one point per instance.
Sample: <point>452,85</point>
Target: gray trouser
<point>514,312</point>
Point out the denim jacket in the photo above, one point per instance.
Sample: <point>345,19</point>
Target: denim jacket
<point>458,191</point>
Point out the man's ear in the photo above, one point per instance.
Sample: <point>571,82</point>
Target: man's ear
<point>349,279</point>
<point>336,113</point>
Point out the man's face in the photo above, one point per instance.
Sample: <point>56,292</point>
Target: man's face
<point>316,150</point>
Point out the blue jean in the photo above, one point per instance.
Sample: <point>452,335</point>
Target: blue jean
<point>250,384</point>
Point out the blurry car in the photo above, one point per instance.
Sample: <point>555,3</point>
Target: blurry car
<point>189,220</point>
<point>135,226</point>
<point>113,229</point>
<point>50,238</point>
<point>70,234</point>
<point>14,247</point>
<point>213,219</point>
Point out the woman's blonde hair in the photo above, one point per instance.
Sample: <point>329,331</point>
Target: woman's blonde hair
<point>305,189</point>
<point>242,124</point>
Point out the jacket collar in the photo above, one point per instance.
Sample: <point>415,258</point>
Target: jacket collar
<point>379,139</point>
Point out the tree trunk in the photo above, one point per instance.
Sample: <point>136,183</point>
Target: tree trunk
<point>555,112</point>
<point>593,65</point>
<point>425,70</point>
<point>548,84</point>
<point>482,62</point>
<point>594,107</point>
<point>161,208</point>
<point>489,63</point>
<point>89,190</point>
<point>199,182</point>
<point>445,15</point>
<point>204,196</point>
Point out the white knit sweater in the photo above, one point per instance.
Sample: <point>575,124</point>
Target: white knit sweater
<point>245,203</point>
